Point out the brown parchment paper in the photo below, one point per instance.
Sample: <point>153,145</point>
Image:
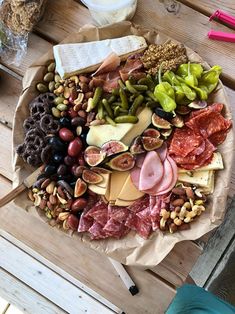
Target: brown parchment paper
<point>132,249</point>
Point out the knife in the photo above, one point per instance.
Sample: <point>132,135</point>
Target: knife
<point>27,183</point>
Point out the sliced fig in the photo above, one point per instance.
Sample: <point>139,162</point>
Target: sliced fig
<point>150,143</point>
<point>151,133</point>
<point>113,147</point>
<point>163,114</point>
<point>178,121</point>
<point>122,162</point>
<point>160,123</point>
<point>91,177</point>
<point>136,146</point>
<point>198,104</point>
<point>100,170</point>
<point>166,133</point>
<point>183,110</point>
<point>94,155</point>
<point>80,187</point>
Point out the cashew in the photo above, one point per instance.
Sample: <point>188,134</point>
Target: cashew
<point>165,214</point>
<point>162,223</point>
<point>191,214</point>
<point>66,92</point>
<point>37,199</point>
<point>199,202</point>
<point>65,225</point>
<point>74,79</point>
<point>173,215</point>
<point>187,220</point>
<point>62,201</point>
<point>198,209</point>
<point>79,99</point>
<point>62,216</point>
<point>50,187</point>
<point>178,222</point>
<point>187,205</point>
<point>182,212</point>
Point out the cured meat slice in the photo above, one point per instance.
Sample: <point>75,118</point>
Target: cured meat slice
<point>162,152</point>
<point>133,63</point>
<point>218,138</point>
<point>151,171</point>
<point>135,176</point>
<point>139,160</point>
<point>142,227</point>
<point>199,150</point>
<point>145,215</point>
<point>109,64</point>
<point>208,123</point>
<point>114,228</point>
<point>85,223</point>
<point>97,232</point>
<point>139,204</point>
<point>184,141</point>
<point>214,107</point>
<point>118,213</point>
<point>174,178</point>
<point>99,213</point>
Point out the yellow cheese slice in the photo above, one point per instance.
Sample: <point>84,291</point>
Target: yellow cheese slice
<point>201,178</point>
<point>119,202</point>
<point>100,134</point>
<point>144,121</point>
<point>129,192</point>
<point>216,164</point>
<point>211,185</point>
<point>117,180</point>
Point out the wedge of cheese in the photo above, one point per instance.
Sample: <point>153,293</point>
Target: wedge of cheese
<point>100,134</point>
<point>129,192</point>
<point>78,58</point>
<point>216,164</point>
<point>102,188</point>
<point>201,178</point>
<point>117,181</point>
<point>211,185</point>
<point>144,121</point>
<point>119,202</point>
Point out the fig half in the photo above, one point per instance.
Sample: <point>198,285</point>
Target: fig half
<point>91,177</point>
<point>136,146</point>
<point>150,143</point>
<point>94,155</point>
<point>113,147</point>
<point>178,121</point>
<point>151,133</point>
<point>160,123</point>
<point>122,162</point>
<point>80,187</point>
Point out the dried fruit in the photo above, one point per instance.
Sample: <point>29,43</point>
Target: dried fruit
<point>150,143</point>
<point>66,135</point>
<point>136,146</point>
<point>91,177</point>
<point>72,222</point>
<point>160,123</point>
<point>79,204</point>
<point>75,147</point>
<point>113,147</point>
<point>94,155</point>
<point>122,162</point>
<point>178,121</point>
<point>151,133</point>
<point>80,187</point>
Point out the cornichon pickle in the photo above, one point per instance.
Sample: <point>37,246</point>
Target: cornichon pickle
<point>100,111</point>
<point>130,87</point>
<point>147,81</point>
<point>110,121</point>
<point>126,119</point>
<point>96,97</point>
<point>137,102</point>
<point>121,84</point>
<point>112,99</point>
<point>107,108</point>
<point>152,104</point>
<point>140,88</point>
<point>124,100</point>
<point>151,95</point>
<point>116,111</point>
<point>115,92</point>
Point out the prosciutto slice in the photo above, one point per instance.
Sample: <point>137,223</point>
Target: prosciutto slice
<point>110,64</point>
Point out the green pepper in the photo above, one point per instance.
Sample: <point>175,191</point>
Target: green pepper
<point>164,87</point>
<point>179,93</point>
<point>171,78</point>
<point>190,79</point>
<point>189,92</point>
<point>168,104</point>
<point>209,79</point>
<point>195,69</point>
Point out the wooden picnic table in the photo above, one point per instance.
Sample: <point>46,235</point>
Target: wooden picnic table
<point>43,270</point>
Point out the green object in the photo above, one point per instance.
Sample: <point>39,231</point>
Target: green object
<point>116,111</point>
<point>147,81</point>
<point>100,110</point>
<point>62,107</point>
<point>190,78</point>
<point>171,78</point>
<point>96,97</point>
<point>210,79</point>
<point>110,121</point>
<point>191,299</point>
<point>130,87</point>
<point>141,88</point>
<point>164,87</point>
<point>179,93</point>
<point>189,92</point>
<point>136,104</point>
<point>126,119</point>
<point>121,84</point>
<point>112,99</point>
<point>108,108</point>
<point>168,104</point>
<point>124,100</point>
<point>195,69</point>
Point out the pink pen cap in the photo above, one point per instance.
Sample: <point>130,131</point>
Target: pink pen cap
<point>224,17</point>
<point>216,35</point>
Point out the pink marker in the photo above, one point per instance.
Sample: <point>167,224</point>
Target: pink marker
<point>217,35</point>
<point>224,17</point>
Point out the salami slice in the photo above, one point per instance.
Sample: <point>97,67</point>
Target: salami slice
<point>118,213</point>
<point>214,107</point>
<point>97,232</point>
<point>85,223</point>
<point>142,227</point>
<point>99,213</point>
<point>139,204</point>
<point>114,228</point>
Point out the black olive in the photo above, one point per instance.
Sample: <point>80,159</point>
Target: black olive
<point>83,137</point>
<point>78,121</point>
<point>163,114</point>
<point>50,169</point>
<point>56,144</point>
<point>65,122</point>
<point>61,170</point>
<point>57,158</point>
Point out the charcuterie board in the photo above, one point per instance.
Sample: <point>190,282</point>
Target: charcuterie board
<point>115,168</point>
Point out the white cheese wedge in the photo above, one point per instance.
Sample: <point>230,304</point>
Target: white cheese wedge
<point>119,202</point>
<point>117,180</point>
<point>211,185</point>
<point>144,121</point>
<point>201,178</point>
<point>100,134</point>
<point>78,58</point>
<point>129,192</point>
<point>216,164</point>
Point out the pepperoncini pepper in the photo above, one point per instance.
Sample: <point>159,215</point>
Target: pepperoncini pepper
<point>195,69</point>
<point>165,94</point>
<point>210,79</point>
<point>190,79</point>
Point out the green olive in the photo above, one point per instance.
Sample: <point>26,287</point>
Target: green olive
<point>56,112</point>
<point>57,78</point>
<point>48,77</point>
<point>42,88</point>
<point>58,100</point>
<point>62,107</point>
<point>51,67</point>
<point>51,86</point>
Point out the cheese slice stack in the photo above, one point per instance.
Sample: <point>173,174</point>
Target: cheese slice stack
<point>78,58</point>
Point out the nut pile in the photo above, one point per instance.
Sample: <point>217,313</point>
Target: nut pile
<point>185,205</point>
<point>169,55</point>
<point>55,199</point>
